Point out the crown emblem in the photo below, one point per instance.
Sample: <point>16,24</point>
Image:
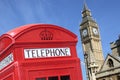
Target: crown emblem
<point>46,35</point>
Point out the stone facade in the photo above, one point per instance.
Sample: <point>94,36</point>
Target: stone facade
<point>96,67</point>
<point>91,43</point>
<point>111,67</point>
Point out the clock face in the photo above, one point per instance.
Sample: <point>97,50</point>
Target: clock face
<point>84,33</point>
<point>95,31</point>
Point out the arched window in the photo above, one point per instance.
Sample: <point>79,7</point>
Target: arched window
<point>110,63</point>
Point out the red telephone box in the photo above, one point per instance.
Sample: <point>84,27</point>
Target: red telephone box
<point>39,52</point>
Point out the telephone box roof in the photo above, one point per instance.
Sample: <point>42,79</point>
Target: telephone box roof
<point>36,33</point>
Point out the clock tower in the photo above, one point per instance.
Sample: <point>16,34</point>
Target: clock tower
<point>91,43</point>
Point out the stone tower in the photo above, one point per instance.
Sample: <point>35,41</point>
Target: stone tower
<point>91,43</point>
<point>115,47</point>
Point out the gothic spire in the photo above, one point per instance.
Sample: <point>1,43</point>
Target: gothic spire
<point>85,7</point>
<point>86,14</point>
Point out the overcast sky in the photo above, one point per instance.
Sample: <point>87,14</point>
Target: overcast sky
<point>65,13</point>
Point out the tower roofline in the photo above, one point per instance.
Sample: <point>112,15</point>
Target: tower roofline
<point>85,7</point>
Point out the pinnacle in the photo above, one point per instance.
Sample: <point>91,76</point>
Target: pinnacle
<point>85,7</point>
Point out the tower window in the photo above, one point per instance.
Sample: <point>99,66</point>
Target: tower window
<point>110,63</point>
